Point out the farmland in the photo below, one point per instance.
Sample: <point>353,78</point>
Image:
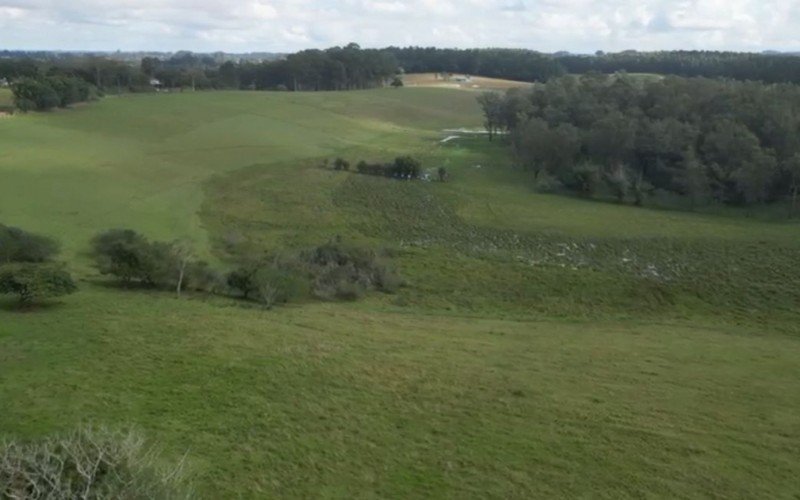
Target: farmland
<point>541,346</point>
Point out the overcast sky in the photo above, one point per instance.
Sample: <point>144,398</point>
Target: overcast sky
<point>289,25</point>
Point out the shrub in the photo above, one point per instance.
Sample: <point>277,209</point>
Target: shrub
<point>240,281</point>
<point>129,256</point>
<point>35,282</point>
<point>341,164</point>
<point>123,253</point>
<point>346,272</point>
<point>407,167</point>
<point>88,463</point>
<point>268,283</point>
<point>17,245</point>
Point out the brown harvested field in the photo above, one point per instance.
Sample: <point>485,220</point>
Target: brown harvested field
<point>472,83</point>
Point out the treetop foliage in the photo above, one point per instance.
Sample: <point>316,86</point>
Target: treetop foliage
<point>734,142</point>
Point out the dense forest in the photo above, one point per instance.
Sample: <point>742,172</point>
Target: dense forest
<point>733,142</point>
<point>42,80</point>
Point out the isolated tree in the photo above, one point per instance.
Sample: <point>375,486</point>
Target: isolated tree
<point>492,105</point>
<point>181,259</point>
<point>397,82</point>
<point>442,173</point>
<point>35,282</point>
<point>17,245</point>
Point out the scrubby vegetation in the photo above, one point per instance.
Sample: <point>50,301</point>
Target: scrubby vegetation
<point>133,259</point>
<point>330,271</point>
<point>733,143</point>
<point>27,269</point>
<point>90,463</point>
<point>403,167</point>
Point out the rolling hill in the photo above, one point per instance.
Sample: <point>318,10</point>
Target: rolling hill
<point>542,345</point>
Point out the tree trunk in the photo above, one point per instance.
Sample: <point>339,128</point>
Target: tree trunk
<point>180,278</point>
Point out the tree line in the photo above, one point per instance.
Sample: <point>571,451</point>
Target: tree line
<point>331,271</point>
<point>41,79</point>
<point>708,140</point>
<point>768,68</point>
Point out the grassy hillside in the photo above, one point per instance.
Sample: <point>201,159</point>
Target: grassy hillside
<point>543,346</point>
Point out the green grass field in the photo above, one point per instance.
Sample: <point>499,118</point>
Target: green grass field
<point>543,346</point>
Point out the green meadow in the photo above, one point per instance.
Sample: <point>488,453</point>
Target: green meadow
<point>542,345</point>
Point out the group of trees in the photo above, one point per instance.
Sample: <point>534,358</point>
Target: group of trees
<point>532,66</point>
<point>28,269</point>
<point>46,93</point>
<point>403,167</point>
<point>41,83</point>
<point>135,260</point>
<point>330,271</point>
<point>734,142</point>
<point>769,68</point>
<point>337,68</point>
<point>512,64</point>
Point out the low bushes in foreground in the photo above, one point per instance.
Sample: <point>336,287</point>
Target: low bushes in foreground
<point>87,464</point>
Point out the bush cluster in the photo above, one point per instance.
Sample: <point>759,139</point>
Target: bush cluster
<point>46,93</point>
<point>331,271</point>
<point>403,167</point>
<point>134,259</point>
<point>27,268</point>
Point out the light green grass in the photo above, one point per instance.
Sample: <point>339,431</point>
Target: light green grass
<point>527,356</point>
<point>141,160</point>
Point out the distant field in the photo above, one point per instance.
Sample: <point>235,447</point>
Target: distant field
<point>461,82</point>
<point>543,346</point>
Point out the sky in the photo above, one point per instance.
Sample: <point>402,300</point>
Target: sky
<point>291,25</point>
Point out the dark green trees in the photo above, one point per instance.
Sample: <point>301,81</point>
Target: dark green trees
<point>27,269</point>
<point>731,142</point>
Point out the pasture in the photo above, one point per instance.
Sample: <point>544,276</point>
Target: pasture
<point>542,346</point>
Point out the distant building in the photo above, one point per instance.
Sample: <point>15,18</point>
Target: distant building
<point>155,82</point>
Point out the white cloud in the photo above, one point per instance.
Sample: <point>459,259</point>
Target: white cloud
<point>287,25</point>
